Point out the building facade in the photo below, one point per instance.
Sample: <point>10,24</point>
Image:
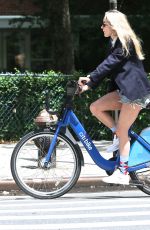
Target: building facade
<point>19,44</point>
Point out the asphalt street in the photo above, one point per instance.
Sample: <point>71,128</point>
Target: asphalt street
<point>119,210</point>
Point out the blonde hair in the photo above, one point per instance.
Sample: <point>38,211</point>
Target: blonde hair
<point>119,23</point>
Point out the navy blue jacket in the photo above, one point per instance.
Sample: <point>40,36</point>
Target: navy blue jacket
<point>127,73</point>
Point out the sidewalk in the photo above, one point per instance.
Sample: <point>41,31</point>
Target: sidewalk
<point>90,175</point>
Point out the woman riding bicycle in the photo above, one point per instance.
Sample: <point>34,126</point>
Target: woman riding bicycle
<point>129,89</point>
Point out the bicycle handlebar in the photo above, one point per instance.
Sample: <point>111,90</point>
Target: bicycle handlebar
<point>72,88</point>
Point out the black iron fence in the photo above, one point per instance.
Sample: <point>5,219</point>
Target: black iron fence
<point>22,97</point>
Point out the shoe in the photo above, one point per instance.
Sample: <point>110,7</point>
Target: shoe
<point>114,146</point>
<point>117,178</point>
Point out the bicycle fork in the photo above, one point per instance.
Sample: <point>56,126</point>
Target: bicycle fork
<point>53,142</point>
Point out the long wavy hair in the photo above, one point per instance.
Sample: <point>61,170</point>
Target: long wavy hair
<point>119,23</point>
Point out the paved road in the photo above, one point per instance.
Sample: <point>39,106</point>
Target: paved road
<point>85,211</point>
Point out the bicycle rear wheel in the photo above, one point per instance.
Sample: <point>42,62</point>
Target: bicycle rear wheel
<point>141,179</point>
<point>29,172</point>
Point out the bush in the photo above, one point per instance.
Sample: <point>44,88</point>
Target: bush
<point>23,97</point>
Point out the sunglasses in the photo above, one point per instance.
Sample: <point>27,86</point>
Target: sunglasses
<point>105,24</point>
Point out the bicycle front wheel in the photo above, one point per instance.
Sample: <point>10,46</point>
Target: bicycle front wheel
<point>141,179</point>
<point>61,173</point>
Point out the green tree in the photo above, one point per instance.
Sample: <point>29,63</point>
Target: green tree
<point>54,17</point>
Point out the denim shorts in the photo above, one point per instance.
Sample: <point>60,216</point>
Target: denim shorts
<point>143,102</point>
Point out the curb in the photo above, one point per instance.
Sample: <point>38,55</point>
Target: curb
<point>90,181</point>
<point>83,184</point>
<point>9,185</point>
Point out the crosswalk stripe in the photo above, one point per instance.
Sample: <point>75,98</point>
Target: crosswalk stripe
<point>77,225</point>
<point>74,216</point>
<point>77,208</point>
<point>75,201</point>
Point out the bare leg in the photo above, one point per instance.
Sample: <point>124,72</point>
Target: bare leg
<point>100,108</point>
<point>128,115</point>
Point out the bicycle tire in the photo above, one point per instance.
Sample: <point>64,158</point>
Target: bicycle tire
<point>33,179</point>
<point>141,179</point>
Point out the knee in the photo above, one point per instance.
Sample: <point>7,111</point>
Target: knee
<point>93,108</point>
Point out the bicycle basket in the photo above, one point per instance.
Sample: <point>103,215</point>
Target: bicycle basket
<point>45,119</point>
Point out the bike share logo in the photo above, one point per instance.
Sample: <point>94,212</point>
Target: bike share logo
<point>88,144</point>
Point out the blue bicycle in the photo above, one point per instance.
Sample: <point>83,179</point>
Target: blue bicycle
<point>47,164</point>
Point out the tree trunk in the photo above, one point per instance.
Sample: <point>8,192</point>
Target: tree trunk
<point>59,31</point>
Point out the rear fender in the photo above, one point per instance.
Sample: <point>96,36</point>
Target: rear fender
<point>139,154</point>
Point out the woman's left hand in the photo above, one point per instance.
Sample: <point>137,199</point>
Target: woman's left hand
<point>83,80</point>
<point>82,83</point>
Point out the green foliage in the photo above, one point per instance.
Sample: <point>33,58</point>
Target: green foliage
<point>22,97</point>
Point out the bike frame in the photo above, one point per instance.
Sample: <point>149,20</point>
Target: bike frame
<point>70,119</point>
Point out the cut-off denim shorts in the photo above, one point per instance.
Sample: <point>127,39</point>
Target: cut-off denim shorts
<point>143,102</point>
